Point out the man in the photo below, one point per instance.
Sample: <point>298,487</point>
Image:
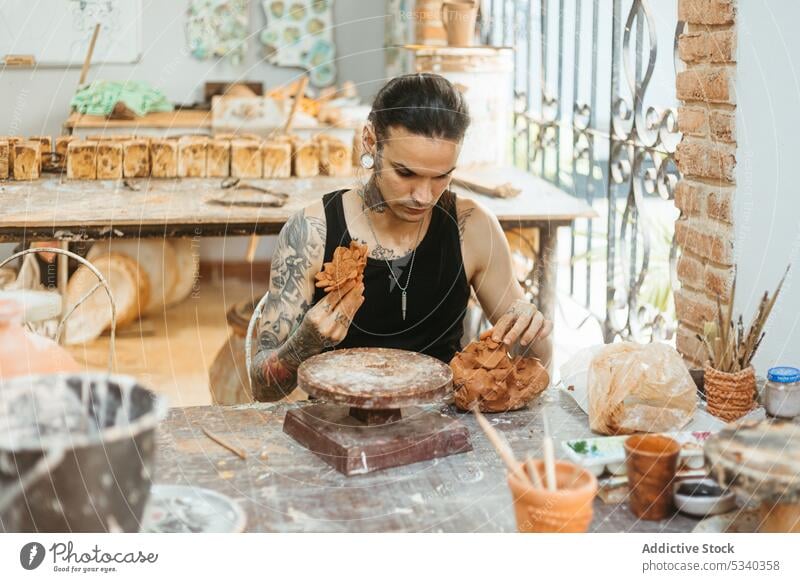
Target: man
<point>427,249</point>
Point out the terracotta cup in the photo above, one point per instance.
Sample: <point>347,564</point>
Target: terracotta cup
<point>652,461</point>
<point>458,19</point>
<point>566,510</point>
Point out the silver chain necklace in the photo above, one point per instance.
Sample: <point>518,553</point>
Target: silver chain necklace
<point>403,297</point>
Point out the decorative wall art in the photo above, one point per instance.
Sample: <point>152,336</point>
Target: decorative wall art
<point>218,29</point>
<point>299,33</point>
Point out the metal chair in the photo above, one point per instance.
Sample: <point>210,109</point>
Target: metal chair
<point>101,283</point>
<point>248,340</point>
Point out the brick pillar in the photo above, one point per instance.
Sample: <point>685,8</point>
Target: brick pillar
<point>706,157</point>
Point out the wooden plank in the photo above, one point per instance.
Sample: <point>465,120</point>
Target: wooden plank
<point>184,118</point>
<point>284,487</point>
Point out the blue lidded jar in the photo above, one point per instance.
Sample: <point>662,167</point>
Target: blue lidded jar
<point>782,392</point>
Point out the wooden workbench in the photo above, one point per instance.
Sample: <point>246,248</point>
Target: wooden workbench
<point>285,488</point>
<point>70,210</point>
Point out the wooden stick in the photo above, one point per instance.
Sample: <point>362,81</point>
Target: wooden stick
<point>88,60</point>
<point>252,247</point>
<point>223,443</point>
<point>549,456</point>
<point>298,96</point>
<point>500,445</point>
<point>533,473</point>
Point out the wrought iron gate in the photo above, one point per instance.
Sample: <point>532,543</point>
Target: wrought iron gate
<point>595,115</point>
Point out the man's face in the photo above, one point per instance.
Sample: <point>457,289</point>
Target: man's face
<point>414,172</point>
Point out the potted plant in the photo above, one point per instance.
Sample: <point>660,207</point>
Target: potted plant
<point>729,377</point>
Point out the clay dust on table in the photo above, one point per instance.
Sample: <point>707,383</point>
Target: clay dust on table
<point>484,372</point>
<point>347,265</point>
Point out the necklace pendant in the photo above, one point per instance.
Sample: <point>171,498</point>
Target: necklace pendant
<point>403,304</point>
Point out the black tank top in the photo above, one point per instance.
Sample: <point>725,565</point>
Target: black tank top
<point>436,296</point>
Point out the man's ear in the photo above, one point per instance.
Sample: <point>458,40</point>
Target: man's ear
<point>369,140</point>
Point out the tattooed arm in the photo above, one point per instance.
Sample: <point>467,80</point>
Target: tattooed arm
<point>488,263</point>
<point>297,256</point>
<point>290,330</point>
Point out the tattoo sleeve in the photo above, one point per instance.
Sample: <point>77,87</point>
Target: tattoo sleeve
<point>283,344</point>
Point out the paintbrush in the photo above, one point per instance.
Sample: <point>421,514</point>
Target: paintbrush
<point>549,456</point>
<point>500,445</point>
<point>534,473</point>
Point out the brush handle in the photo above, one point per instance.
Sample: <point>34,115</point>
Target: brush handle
<point>533,473</point>
<point>500,446</point>
<point>549,464</point>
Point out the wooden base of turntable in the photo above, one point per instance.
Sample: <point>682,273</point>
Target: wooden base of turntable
<point>356,444</point>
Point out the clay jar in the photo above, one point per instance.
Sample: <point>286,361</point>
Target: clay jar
<point>458,19</point>
<point>484,373</point>
<point>568,509</point>
<point>652,461</point>
<point>346,265</point>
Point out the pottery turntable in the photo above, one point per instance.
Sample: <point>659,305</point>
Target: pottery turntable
<point>371,417</point>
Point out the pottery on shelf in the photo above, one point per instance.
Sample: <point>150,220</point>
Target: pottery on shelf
<point>568,509</point>
<point>458,19</point>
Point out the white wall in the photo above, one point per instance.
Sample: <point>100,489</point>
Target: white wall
<point>767,208</point>
<point>36,101</point>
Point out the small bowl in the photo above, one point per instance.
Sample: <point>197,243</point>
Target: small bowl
<point>705,505</point>
<point>618,469</point>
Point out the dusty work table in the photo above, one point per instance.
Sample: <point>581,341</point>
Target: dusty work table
<point>285,488</point>
<point>53,208</point>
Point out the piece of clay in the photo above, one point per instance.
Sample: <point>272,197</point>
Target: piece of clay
<point>484,372</point>
<point>347,265</point>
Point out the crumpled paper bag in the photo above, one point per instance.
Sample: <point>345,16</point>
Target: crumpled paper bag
<point>633,388</point>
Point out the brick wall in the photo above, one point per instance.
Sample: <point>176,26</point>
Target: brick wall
<point>706,157</point>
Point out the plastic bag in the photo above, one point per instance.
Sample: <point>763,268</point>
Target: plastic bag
<point>639,388</point>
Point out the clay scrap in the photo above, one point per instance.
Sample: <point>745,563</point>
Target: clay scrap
<point>347,265</point>
<point>484,372</point>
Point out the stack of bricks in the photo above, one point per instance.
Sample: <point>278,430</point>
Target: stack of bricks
<point>706,157</point>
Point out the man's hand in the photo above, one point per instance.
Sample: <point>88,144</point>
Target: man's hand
<point>329,320</point>
<point>323,326</point>
<point>521,322</point>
